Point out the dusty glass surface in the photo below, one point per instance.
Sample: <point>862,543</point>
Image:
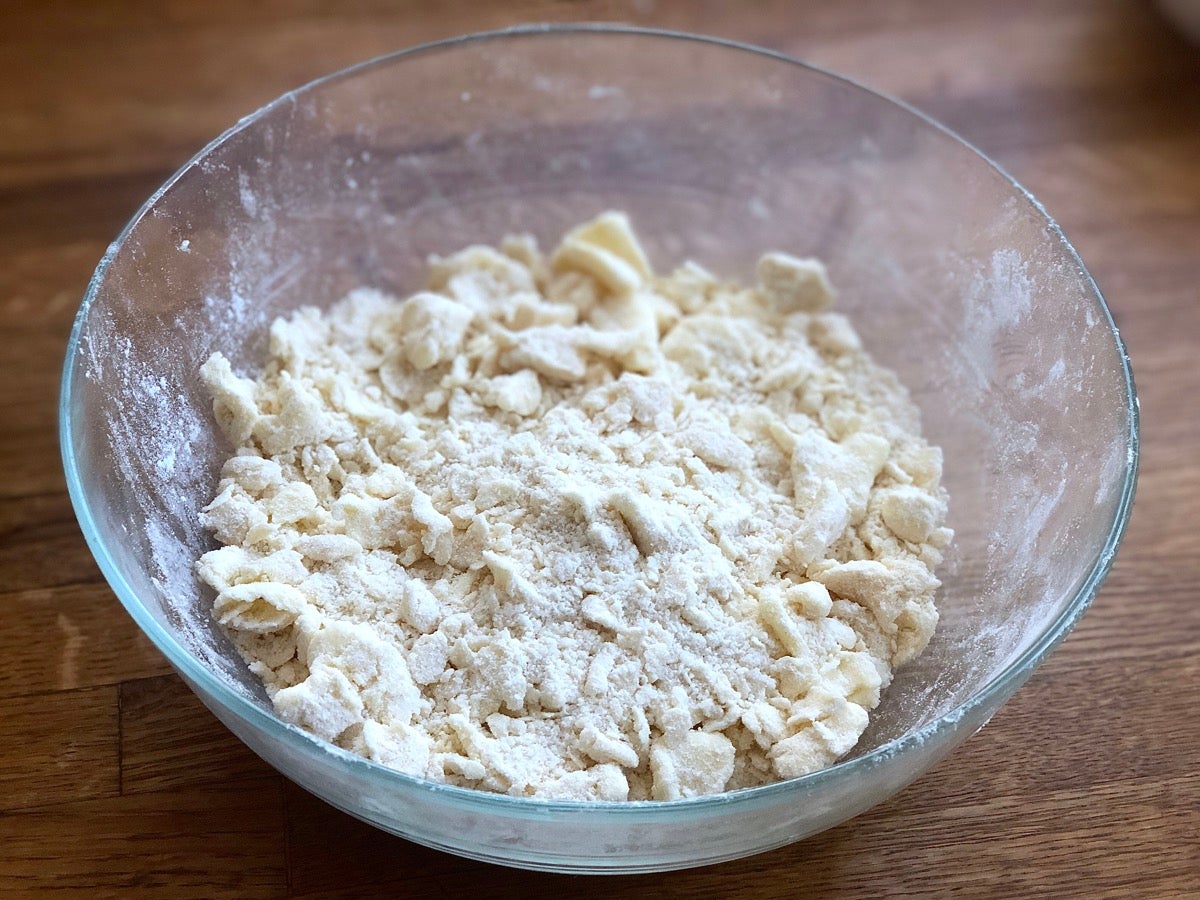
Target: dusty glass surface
<point>953,275</point>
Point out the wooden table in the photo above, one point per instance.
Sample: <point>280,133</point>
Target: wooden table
<point>113,777</point>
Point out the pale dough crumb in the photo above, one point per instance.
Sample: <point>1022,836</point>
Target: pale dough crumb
<point>559,527</point>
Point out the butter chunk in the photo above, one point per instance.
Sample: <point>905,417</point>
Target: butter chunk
<point>325,703</point>
<point>607,250</point>
<point>520,392</point>
<point>234,405</point>
<point>405,748</point>
<point>432,328</point>
<point>791,284</point>
<point>261,606</point>
<point>828,726</point>
<point>911,514</point>
<point>606,749</point>
<point>695,764</point>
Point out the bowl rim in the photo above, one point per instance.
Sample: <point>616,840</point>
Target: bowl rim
<point>996,691</point>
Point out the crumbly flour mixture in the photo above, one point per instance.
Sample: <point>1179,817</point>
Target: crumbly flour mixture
<point>560,527</point>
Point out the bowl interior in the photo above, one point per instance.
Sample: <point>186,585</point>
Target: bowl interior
<point>953,276</point>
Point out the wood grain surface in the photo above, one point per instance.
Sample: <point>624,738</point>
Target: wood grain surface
<point>114,780</point>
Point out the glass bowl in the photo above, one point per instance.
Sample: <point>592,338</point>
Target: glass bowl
<point>954,275</point>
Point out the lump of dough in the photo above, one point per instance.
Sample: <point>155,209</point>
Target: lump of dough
<point>691,764</point>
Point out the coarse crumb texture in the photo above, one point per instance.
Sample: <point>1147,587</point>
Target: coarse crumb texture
<point>559,527</point>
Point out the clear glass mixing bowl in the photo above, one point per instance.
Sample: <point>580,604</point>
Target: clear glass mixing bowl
<point>954,275</point>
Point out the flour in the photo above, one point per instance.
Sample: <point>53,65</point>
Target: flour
<point>559,527</point>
